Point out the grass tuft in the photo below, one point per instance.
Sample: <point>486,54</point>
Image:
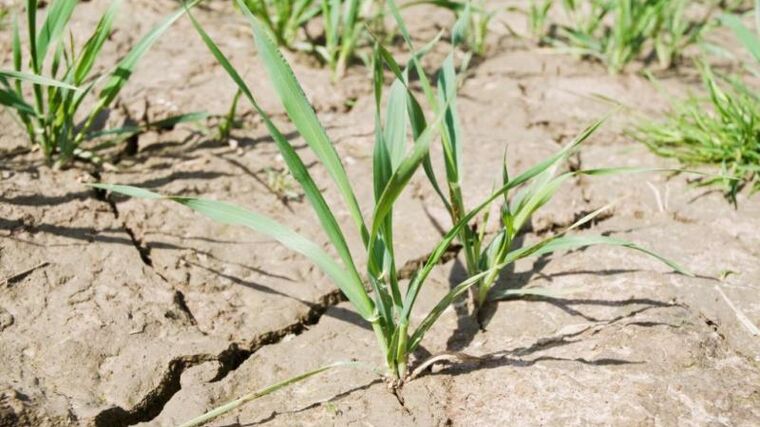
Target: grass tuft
<point>721,128</point>
<point>54,118</point>
<point>618,32</point>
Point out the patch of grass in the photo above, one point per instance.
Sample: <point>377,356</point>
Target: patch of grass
<point>472,15</point>
<point>721,129</point>
<point>284,18</point>
<point>377,294</point>
<point>54,117</point>
<point>617,32</point>
<point>344,23</point>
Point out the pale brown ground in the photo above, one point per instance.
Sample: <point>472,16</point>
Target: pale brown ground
<point>142,312</point>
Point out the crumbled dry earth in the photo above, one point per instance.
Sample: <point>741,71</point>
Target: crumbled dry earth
<point>118,312</point>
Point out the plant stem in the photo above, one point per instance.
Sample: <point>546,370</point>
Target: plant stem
<point>401,355</point>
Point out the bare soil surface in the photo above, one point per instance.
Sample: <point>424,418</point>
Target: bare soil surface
<point>118,312</point>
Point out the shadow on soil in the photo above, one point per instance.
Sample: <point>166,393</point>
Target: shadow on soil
<point>468,325</point>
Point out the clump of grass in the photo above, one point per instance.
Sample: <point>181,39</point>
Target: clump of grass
<point>538,14</point>
<point>344,23</point>
<point>472,15</point>
<point>54,118</point>
<point>617,32</point>
<point>720,129</point>
<point>483,256</point>
<point>382,299</point>
<point>284,18</point>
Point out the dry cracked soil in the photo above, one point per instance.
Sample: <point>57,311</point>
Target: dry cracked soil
<point>117,312</point>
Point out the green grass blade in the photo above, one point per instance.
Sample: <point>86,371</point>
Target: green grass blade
<point>560,155</point>
<point>11,99</point>
<point>303,116</point>
<point>31,21</point>
<point>170,122</point>
<point>296,166</point>
<point>58,15</point>
<point>16,45</point>
<point>452,142</point>
<point>396,123</point>
<point>443,304</point>
<point>36,79</point>
<point>126,66</point>
<point>229,406</point>
<point>537,198</point>
<point>401,177</point>
<point>93,46</point>
<point>230,214</point>
<point>440,249</point>
<point>578,242</point>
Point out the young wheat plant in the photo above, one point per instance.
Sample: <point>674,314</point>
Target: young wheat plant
<point>377,294</point>
<point>617,32</point>
<point>53,117</point>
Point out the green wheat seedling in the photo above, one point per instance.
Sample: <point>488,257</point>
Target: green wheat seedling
<point>538,14</point>
<point>345,26</point>
<point>377,295</point>
<point>344,23</point>
<point>617,32</point>
<point>284,18</point>
<point>472,15</point>
<point>230,120</point>
<point>722,129</point>
<point>482,256</point>
<point>54,118</point>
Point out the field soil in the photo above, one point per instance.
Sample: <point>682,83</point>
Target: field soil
<point>117,312</point>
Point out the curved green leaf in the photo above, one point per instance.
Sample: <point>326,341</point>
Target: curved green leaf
<point>234,215</point>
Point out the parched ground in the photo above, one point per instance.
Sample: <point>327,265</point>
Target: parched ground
<point>118,312</point>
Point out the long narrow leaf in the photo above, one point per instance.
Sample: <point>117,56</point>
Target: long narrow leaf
<point>303,116</point>
<point>294,162</point>
<point>58,16</point>
<point>95,43</point>
<point>126,66</point>
<point>234,215</point>
<point>229,406</point>
<point>37,79</point>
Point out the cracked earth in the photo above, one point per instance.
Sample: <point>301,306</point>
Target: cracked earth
<point>118,312</point>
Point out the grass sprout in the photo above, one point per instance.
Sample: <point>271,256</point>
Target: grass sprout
<point>234,404</point>
<point>230,120</point>
<point>377,294</point>
<point>537,186</point>
<point>54,118</point>
<point>284,18</point>
<point>473,17</point>
<point>722,128</point>
<point>344,23</point>
<point>617,32</point>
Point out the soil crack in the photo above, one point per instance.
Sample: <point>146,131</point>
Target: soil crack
<point>153,403</point>
<point>232,357</point>
<point>142,249</point>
